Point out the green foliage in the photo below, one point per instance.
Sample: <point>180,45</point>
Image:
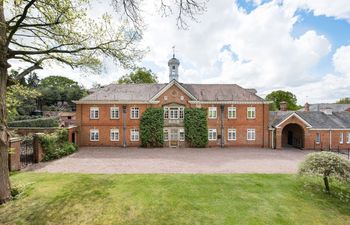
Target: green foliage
<point>327,165</point>
<point>139,76</point>
<point>196,128</point>
<point>278,96</point>
<point>60,89</point>
<point>20,100</point>
<point>56,145</point>
<point>343,101</point>
<point>151,127</point>
<point>40,122</point>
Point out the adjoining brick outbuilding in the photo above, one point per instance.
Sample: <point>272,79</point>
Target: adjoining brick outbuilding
<point>310,130</point>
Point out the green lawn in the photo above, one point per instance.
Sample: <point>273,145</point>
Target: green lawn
<point>170,199</point>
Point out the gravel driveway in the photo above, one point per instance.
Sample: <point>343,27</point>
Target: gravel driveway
<point>166,160</point>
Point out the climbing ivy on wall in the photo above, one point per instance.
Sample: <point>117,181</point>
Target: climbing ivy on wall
<point>196,128</point>
<point>151,127</point>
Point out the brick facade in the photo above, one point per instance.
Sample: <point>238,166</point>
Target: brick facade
<point>174,95</point>
<point>328,138</point>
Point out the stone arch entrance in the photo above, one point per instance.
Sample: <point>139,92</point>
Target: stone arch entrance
<point>293,136</point>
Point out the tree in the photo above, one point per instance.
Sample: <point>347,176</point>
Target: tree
<point>139,76</point>
<point>41,32</point>
<point>343,101</point>
<point>327,165</point>
<point>278,96</point>
<point>20,98</point>
<point>56,89</point>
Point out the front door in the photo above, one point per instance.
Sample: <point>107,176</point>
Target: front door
<point>174,137</point>
<point>290,138</point>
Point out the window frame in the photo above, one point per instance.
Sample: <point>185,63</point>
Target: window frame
<point>112,109</point>
<point>341,138</point>
<point>251,131</point>
<point>113,130</point>
<point>232,130</point>
<point>251,109</point>
<point>212,131</point>
<point>95,131</point>
<point>132,113</point>
<point>181,131</point>
<point>211,109</point>
<point>165,137</point>
<point>132,134</point>
<point>230,109</point>
<point>318,138</point>
<point>94,110</point>
<point>348,138</point>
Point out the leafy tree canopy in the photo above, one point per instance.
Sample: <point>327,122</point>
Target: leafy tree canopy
<point>60,89</point>
<point>20,99</point>
<point>343,101</point>
<point>278,96</point>
<point>139,76</point>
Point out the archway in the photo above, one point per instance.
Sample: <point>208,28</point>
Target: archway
<point>293,136</point>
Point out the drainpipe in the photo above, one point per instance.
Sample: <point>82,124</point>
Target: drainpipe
<point>124,126</point>
<point>222,107</point>
<point>272,139</point>
<point>330,139</point>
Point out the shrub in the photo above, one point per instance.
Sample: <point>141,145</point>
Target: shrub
<point>151,128</point>
<point>40,122</point>
<point>327,165</point>
<point>196,128</point>
<point>56,145</point>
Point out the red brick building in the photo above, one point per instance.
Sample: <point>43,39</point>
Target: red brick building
<point>320,129</point>
<point>111,115</point>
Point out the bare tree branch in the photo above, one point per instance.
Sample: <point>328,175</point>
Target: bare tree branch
<point>19,21</point>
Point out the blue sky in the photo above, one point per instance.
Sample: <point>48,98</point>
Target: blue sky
<point>302,46</point>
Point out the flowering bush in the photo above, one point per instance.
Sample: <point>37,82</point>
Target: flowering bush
<point>327,165</point>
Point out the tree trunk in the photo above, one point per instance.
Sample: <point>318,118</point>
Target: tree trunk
<point>5,191</point>
<point>326,183</point>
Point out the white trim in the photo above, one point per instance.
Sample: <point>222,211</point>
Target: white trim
<point>231,102</point>
<point>231,130</point>
<point>110,112</point>
<point>111,102</point>
<point>164,89</point>
<point>213,108</point>
<point>214,137</point>
<point>228,112</point>
<point>131,113</point>
<point>95,131</point>
<point>94,109</point>
<point>297,116</point>
<point>253,133</point>
<point>131,134</point>
<point>114,130</point>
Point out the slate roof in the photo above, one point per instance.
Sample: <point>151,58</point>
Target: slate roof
<point>221,92</point>
<point>318,120</point>
<point>125,92</point>
<point>323,106</point>
<point>144,92</point>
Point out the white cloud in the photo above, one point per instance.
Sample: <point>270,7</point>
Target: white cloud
<point>339,9</point>
<point>261,52</point>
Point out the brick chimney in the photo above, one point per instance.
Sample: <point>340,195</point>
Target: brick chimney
<point>307,107</point>
<point>283,106</point>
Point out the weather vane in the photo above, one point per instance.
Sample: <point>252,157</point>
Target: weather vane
<point>173,51</point>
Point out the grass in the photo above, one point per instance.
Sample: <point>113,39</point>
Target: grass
<point>170,199</point>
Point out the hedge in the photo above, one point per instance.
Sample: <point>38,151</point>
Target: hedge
<point>56,145</point>
<point>196,127</point>
<point>40,122</point>
<point>151,128</point>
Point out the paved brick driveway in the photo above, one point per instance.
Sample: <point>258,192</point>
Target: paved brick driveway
<point>165,160</point>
